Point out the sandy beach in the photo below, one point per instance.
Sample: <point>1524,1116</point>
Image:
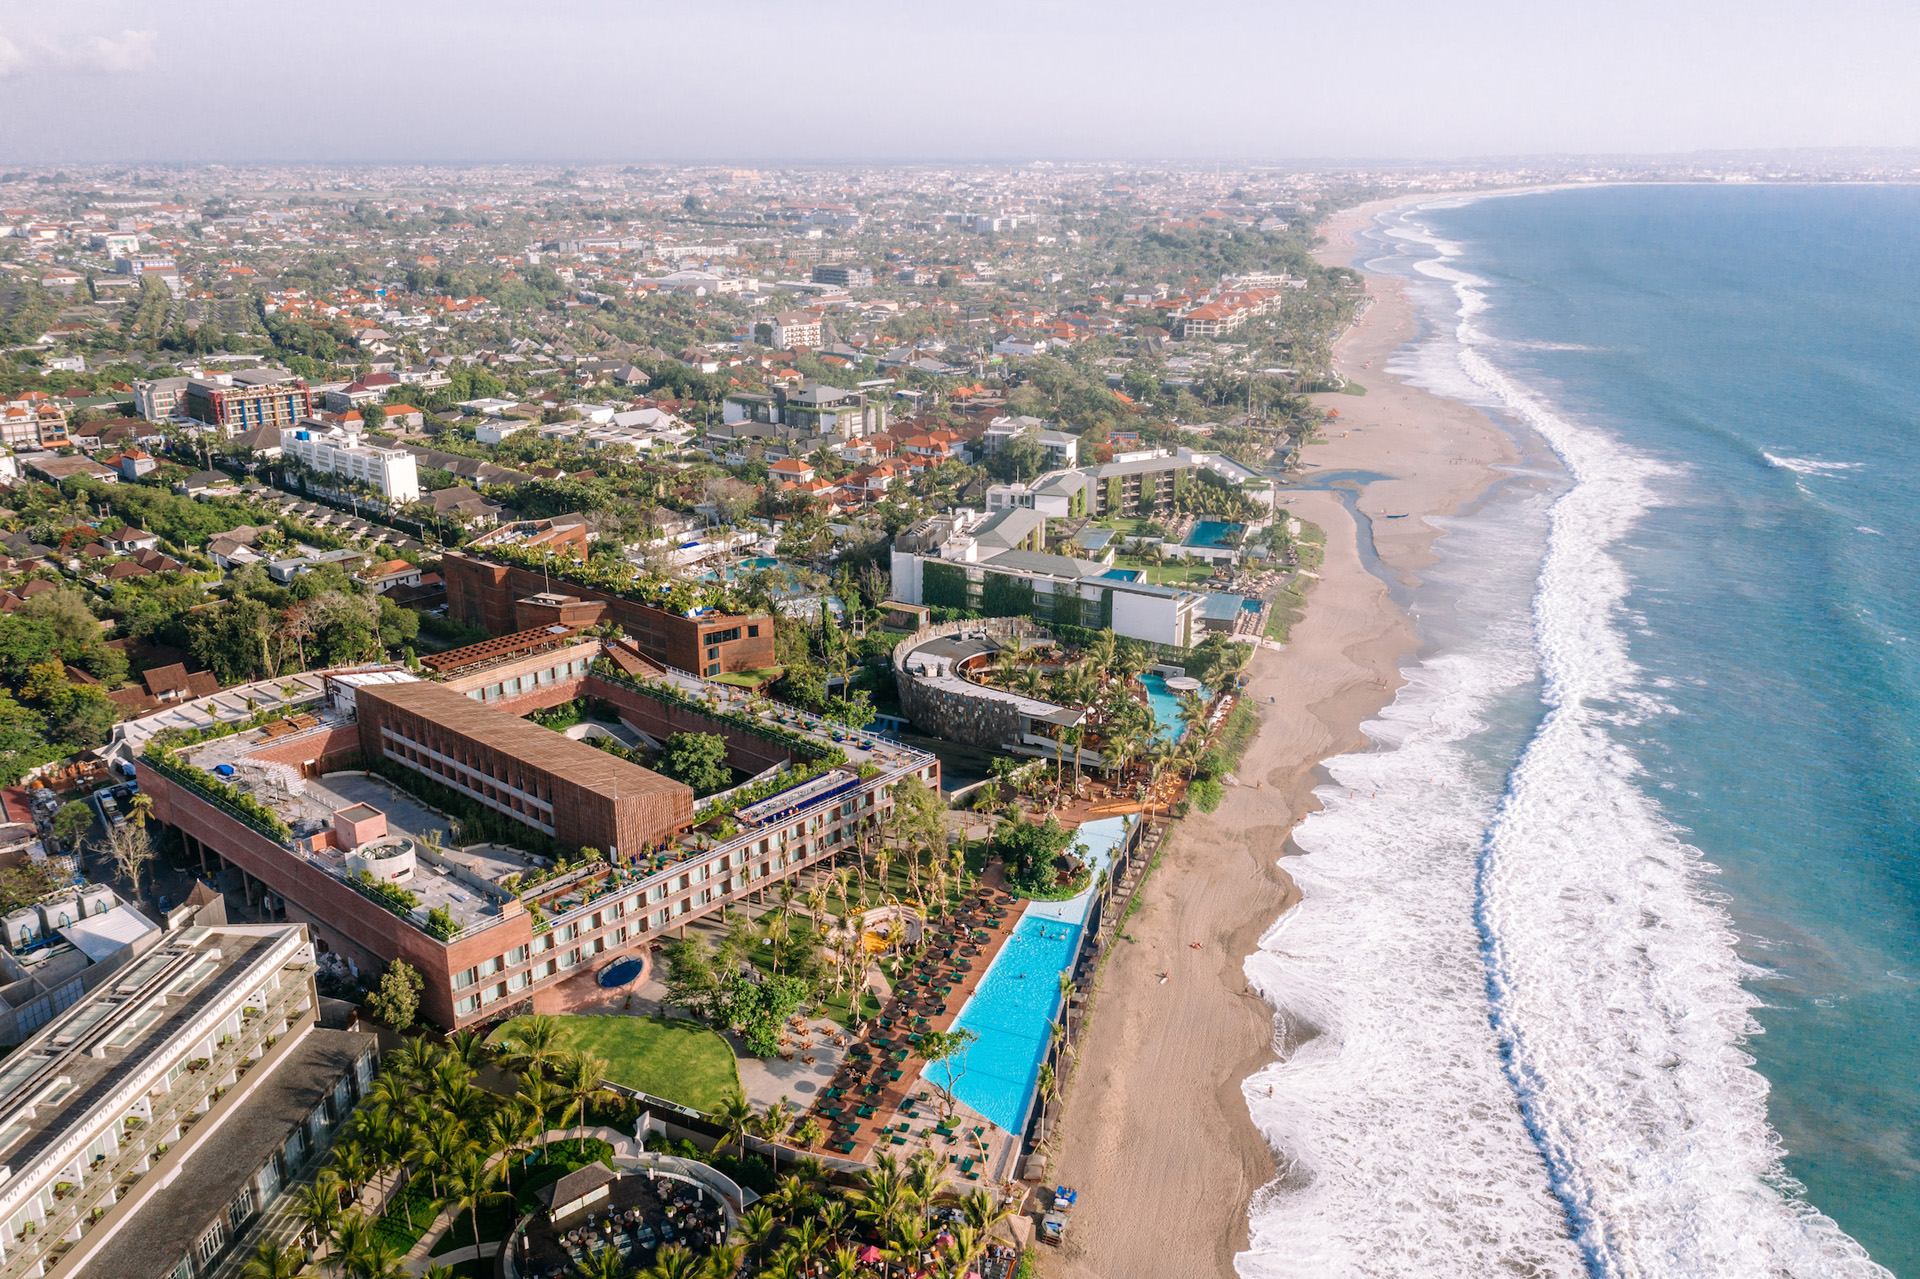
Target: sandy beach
<point>1156,1134</point>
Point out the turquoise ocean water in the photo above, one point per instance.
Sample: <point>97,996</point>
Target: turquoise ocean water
<point>1609,961</point>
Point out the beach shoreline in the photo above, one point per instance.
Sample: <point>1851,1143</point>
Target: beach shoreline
<point>1156,1134</point>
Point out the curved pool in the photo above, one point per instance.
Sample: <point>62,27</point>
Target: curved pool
<point>620,972</point>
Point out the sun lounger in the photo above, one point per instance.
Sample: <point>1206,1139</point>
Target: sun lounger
<point>865,1112</point>
<point>897,1140</point>
<point>894,1075</point>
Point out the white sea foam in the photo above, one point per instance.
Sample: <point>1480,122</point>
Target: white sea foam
<point>1571,911</point>
<point>1809,465</point>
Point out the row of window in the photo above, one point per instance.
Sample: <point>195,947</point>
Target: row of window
<point>527,683</point>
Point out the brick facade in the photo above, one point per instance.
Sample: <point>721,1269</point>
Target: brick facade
<point>484,593</point>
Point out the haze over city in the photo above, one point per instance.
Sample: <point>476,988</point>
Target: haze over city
<point>213,80</point>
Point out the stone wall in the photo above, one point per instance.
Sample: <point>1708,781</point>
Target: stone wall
<point>970,715</point>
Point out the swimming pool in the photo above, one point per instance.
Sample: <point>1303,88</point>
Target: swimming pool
<point>619,973</point>
<point>1019,996</point>
<point>1165,704</point>
<point>1212,533</point>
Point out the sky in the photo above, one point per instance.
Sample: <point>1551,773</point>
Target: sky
<point>822,80</point>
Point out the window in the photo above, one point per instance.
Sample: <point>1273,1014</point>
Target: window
<point>713,668</point>
<point>463,980</point>
<point>470,1004</point>
<point>518,956</point>
<point>753,632</point>
<point>212,1242</point>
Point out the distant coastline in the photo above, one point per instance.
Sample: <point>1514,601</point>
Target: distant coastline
<point>1160,1114</point>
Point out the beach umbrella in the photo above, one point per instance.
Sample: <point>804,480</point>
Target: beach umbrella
<point>869,1255</point>
<point>943,1239</point>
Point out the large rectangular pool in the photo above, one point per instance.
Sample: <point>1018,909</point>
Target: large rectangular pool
<point>1019,997</point>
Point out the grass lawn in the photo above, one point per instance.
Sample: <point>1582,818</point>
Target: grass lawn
<point>749,679</point>
<point>681,1061</point>
<point>1173,572</point>
<point>1291,602</point>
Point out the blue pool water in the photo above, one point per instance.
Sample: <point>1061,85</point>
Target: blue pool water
<point>1212,533</point>
<point>1122,574</point>
<point>1020,996</point>
<point>620,973</point>
<point>1165,704</point>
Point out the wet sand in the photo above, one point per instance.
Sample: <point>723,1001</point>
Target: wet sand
<point>1156,1135</point>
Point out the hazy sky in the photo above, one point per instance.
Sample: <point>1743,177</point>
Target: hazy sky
<point>862,79</point>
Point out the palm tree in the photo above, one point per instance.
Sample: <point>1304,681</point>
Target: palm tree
<point>532,1045</point>
<point>582,1078</point>
<point>735,1114</point>
<point>352,1239</point>
<point>317,1208</point>
<point>607,1263</point>
<point>468,1047</point>
<point>723,1262</point>
<point>472,1181</point>
<point>541,1099</point>
<point>436,1148</point>
<point>845,1262</point>
<point>272,1261</point>
<point>982,1212</point>
<point>1073,737</point>
<point>757,1227</point>
<point>380,1260</point>
<point>514,1130</point>
<point>1193,715</point>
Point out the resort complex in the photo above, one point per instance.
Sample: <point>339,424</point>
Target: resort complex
<point>564,750</point>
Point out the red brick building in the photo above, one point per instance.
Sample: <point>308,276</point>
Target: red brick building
<point>567,789</point>
<point>485,593</point>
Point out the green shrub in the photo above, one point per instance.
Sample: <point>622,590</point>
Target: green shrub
<point>1206,794</point>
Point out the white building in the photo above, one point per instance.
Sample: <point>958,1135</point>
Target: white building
<point>342,452</point>
<point>148,1127</point>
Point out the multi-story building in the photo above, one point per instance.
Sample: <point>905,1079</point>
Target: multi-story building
<point>31,421</point>
<point>494,931</point>
<point>1057,448</point>
<point>334,450</point>
<point>790,329</point>
<point>486,592</point>
<point>993,565</point>
<point>583,797</point>
<point>147,1128</point>
<point>248,398</point>
<point>847,275</point>
<point>813,410</point>
<point>158,400</point>
<point>139,264</point>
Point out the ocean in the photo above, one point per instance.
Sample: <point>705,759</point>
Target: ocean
<point>1609,957</point>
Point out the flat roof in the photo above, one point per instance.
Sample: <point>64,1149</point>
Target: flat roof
<point>523,741</point>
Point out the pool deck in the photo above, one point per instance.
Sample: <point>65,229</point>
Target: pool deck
<point>999,1146</point>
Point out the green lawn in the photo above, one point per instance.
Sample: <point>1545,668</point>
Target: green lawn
<point>749,679</point>
<point>681,1061</point>
<point>1173,572</point>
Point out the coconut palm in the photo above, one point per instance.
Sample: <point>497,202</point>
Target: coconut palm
<point>582,1077</point>
<point>757,1227</point>
<point>983,1212</point>
<point>273,1261</point>
<point>352,1239</point>
<point>514,1130</point>
<point>604,1264</point>
<point>1193,715</point>
<point>845,1263</point>
<point>723,1262</point>
<point>532,1045</point>
<point>471,1181</point>
<point>735,1114</point>
<point>317,1208</point>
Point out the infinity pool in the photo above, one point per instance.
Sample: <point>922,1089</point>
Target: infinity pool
<point>1020,996</point>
